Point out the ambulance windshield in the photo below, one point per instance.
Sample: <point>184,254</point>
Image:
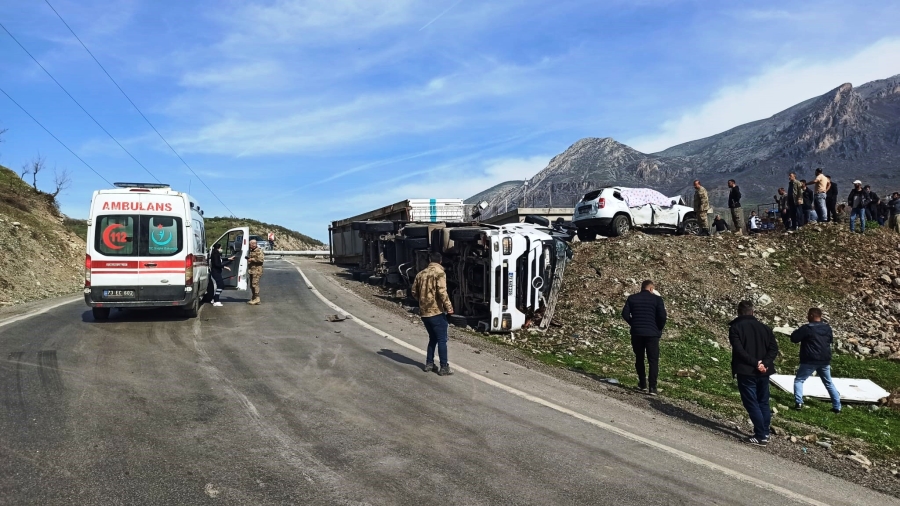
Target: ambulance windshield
<point>138,235</point>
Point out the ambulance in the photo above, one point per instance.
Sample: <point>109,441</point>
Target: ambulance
<point>146,247</point>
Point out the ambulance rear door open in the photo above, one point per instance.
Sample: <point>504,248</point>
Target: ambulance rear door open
<point>235,243</point>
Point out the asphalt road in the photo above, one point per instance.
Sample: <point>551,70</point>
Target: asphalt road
<point>275,405</point>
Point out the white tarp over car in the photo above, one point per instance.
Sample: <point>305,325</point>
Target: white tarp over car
<point>853,390</point>
<point>637,197</point>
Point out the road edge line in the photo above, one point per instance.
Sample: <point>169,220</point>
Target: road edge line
<point>36,312</point>
<point>592,421</point>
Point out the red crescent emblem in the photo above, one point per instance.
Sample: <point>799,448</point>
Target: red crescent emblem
<point>107,240</point>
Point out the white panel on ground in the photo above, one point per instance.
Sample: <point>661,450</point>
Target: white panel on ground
<point>854,390</point>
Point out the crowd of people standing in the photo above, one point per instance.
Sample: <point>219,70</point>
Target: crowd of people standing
<point>802,202</point>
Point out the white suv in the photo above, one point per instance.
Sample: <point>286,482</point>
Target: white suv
<point>615,210</point>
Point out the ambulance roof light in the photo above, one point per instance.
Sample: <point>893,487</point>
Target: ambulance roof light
<point>142,185</point>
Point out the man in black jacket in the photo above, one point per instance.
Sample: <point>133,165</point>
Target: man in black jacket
<point>215,272</point>
<point>645,313</point>
<point>831,198</point>
<point>815,340</point>
<point>857,202</point>
<point>734,203</point>
<point>753,352</point>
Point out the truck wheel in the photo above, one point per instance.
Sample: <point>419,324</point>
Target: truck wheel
<point>420,232</point>
<point>465,234</point>
<point>376,280</point>
<point>689,227</point>
<point>587,235</point>
<point>620,226</point>
<point>374,227</point>
<point>100,314</point>
<point>193,310</point>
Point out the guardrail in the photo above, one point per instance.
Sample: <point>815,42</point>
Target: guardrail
<point>323,253</point>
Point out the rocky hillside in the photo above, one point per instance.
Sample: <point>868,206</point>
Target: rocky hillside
<point>40,256</point>
<point>702,280</point>
<point>285,238</point>
<point>854,133</point>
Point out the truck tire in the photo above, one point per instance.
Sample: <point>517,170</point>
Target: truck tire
<point>376,280</point>
<point>620,226</point>
<point>417,243</point>
<point>100,314</point>
<point>193,309</point>
<point>587,235</point>
<point>465,234</point>
<point>416,232</point>
<point>375,227</point>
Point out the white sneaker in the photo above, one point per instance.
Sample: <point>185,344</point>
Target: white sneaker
<point>217,304</point>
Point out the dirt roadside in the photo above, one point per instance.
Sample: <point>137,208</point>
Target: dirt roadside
<point>879,477</point>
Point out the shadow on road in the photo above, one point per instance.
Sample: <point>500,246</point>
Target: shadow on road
<point>682,414</point>
<point>138,315</point>
<point>403,359</point>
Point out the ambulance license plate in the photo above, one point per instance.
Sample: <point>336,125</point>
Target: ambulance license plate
<point>118,294</point>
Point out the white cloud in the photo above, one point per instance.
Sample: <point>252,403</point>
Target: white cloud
<point>772,91</point>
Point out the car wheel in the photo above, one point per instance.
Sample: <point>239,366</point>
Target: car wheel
<point>100,314</point>
<point>587,235</point>
<point>620,226</point>
<point>465,234</point>
<point>690,227</point>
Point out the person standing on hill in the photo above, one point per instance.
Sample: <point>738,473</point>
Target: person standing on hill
<point>734,203</point>
<point>784,208</point>
<point>831,198</point>
<point>872,207</point>
<point>430,289</point>
<point>753,352</point>
<point>809,213</point>
<point>795,200</point>
<point>894,212</point>
<point>645,313</point>
<point>815,340</point>
<point>857,202</point>
<point>820,189</point>
<point>701,207</point>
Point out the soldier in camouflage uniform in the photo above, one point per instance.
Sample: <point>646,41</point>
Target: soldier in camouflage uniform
<point>701,207</point>
<point>255,259</point>
<point>430,288</point>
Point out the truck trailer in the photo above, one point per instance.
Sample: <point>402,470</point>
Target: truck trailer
<point>499,278</point>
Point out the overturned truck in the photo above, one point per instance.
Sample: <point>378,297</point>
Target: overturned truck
<point>499,278</point>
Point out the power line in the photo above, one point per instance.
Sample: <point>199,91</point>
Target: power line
<point>135,105</point>
<point>77,103</point>
<point>55,137</point>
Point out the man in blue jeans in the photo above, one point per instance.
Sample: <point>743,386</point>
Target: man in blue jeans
<point>857,202</point>
<point>815,340</point>
<point>430,288</point>
<point>753,352</point>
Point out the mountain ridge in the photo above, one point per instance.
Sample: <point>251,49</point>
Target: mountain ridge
<point>854,133</point>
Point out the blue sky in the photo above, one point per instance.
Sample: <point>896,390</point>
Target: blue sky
<point>302,112</point>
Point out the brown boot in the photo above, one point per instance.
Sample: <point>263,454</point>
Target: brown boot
<point>254,302</point>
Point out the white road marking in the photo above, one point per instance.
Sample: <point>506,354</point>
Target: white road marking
<point>597,423</point>
<point>36,312</point>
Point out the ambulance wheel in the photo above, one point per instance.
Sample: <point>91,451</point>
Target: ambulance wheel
<point>193,310</point>
<point>100,313</point>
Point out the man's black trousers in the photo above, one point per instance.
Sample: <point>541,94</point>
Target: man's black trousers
<point>650,347</point>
